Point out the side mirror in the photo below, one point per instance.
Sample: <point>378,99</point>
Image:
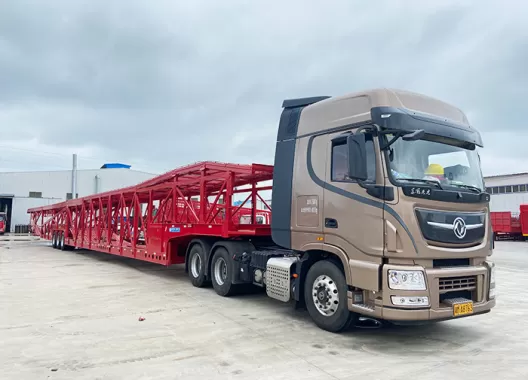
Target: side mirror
<point>357,157</point>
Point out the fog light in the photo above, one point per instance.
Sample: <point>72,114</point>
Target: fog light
<point>410,301</point>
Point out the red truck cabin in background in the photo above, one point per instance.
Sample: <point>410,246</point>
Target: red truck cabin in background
<point>523,216</point>
<point>3,222</point>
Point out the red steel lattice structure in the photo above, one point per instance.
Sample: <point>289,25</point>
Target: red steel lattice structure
<point>156,219</point>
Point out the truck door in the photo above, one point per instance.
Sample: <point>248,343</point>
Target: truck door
<point>353,219</point>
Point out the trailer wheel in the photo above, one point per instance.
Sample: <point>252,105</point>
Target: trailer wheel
<point>197,266</point>
<point>54,240</point>
<point>222,273</point>
<point>325,293</point>
<point>61,241</point>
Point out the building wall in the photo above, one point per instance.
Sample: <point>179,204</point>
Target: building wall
<point>56,184</point>
<point>53,187</point>
<point>508,192</point>
<point>20,206</point>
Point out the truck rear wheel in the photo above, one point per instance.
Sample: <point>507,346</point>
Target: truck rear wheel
<point>222,273</point>
<point>197,266</point>
<point>54,240</point>
<point>61,241</point>
<point>325,293</point>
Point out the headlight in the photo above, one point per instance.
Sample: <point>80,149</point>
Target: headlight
<point>407,280</point>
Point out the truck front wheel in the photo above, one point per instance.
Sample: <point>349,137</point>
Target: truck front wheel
<point>325,293</point>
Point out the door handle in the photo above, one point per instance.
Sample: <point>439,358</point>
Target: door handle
<point>330,223</point>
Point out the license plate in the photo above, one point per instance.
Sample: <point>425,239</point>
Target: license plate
<point>462,308</point>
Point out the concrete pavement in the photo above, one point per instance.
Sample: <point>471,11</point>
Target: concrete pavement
<point>74,315</point>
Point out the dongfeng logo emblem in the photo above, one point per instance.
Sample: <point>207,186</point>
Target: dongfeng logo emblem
<point>459,228</point>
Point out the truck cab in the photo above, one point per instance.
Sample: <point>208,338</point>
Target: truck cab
<point>381,195</point>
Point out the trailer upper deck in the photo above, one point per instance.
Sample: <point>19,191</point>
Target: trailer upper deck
<point>152,219</point>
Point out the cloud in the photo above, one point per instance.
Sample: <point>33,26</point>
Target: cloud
<point>161,84</point>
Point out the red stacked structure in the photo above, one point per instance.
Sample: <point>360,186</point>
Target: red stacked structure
<point>156,219</point>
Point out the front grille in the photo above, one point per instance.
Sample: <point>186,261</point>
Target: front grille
<point>457,296</point>
<point>449,263</point>
<point>446,227</point>
<point>450,284</point>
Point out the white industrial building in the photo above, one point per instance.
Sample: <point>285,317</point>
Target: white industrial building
<point>508,191</point>
<point>20,191</point>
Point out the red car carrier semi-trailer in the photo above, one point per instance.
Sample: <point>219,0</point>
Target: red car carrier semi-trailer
<point>360,226</point>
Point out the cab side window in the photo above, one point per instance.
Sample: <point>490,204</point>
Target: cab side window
<point>340,161</point>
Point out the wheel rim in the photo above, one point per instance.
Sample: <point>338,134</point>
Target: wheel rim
<point>220,271</point>
<point>196,265</point>
<point>325,295</point>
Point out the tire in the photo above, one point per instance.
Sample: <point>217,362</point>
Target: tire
<point>326,282</point>
<point>61,241</point>
<point>54,240</point>
<point>196,266</point>
<point>222,273</point>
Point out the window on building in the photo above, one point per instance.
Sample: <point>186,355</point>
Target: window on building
<point>69,196</point>
<point>35,194</point>
<point>507,189</point>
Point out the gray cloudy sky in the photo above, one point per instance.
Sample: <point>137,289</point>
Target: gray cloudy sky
<point>163,83</point>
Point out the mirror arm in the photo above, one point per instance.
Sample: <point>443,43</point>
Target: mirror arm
<point>397,135</point>
<point>371,128</point>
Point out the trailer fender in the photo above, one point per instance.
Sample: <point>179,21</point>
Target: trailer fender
<point>234,248</point>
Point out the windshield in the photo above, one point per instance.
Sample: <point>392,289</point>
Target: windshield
<point>434,161</point>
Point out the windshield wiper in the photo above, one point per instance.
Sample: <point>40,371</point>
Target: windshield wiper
<point>467,187</point>
<point>430,181</point>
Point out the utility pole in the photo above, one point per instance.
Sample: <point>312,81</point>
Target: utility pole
<point>74,177</point>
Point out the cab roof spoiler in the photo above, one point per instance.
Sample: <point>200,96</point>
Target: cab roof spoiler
<point>302,102</point>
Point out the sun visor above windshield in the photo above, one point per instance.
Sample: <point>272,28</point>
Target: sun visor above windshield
<point>409,120</point>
